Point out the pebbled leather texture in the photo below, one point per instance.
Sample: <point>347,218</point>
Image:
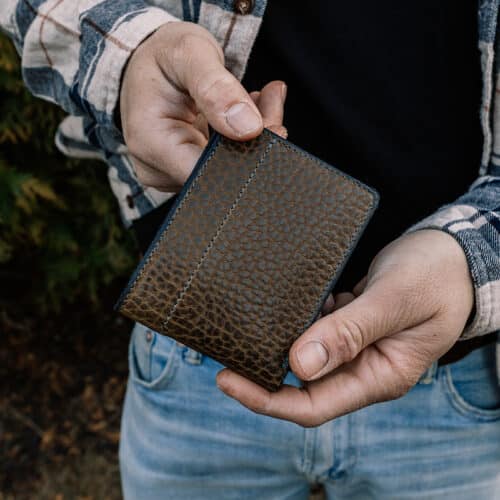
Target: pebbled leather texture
<point>248,254</point>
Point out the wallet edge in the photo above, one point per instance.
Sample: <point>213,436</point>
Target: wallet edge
<point>202,161</point>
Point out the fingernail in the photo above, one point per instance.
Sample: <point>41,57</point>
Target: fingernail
<point>312,358</point>
<point>243,119</point>
<point>284,90</point>
<point>220,385</point>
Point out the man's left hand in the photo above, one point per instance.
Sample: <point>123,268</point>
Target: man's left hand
<point>407,312</point>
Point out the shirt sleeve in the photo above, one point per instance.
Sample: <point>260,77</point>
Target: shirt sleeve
<point>474,221</point>
<point>74,53</point>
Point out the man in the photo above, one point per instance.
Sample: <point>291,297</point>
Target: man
<point>389,94</point>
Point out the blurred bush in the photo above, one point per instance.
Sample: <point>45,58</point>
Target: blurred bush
<point>61,240</point>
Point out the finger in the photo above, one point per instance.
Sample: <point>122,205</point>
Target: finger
<point>342,299</point>
<point>151,177</point>
<point>196,65</point>
<point>372,377</point>
<point>271,103</point>
<point>279,130</point>
<point>255,96</point>
<point>269,121</point>
<point>339,337</point>
<point>279,404</point>
<point>359,288</point>
<point>329,305</point>
<point>172,147</point>
<point>333,396</point>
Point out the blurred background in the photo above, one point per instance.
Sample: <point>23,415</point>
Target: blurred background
<point>64,257</point>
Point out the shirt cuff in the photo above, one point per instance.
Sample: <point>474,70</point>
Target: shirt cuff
<point>460,222</point>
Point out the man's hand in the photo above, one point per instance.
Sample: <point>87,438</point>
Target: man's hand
<point>407,312</point>
<point>175,85</point>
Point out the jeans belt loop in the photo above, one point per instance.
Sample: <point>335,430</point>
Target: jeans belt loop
<point>430,374</point>
<point>191,356</point>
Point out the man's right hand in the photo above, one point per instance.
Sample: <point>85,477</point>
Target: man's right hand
<point>175,85</point>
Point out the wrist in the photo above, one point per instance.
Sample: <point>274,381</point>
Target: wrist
<point>450,262</point>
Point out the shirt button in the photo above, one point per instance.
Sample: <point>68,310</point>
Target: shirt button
<point>243,7</point>
<point>149,336</point>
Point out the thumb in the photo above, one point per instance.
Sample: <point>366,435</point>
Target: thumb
<point>196,65</point>
<point>339,337</point>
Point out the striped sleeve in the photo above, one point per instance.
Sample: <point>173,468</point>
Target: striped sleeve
<point>474,221</point>
<point>74,52</point>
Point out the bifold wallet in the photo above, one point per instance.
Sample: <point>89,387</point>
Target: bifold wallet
<point>248,253</point>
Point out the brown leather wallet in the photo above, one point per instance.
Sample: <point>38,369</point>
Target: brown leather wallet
<point>249,252</point>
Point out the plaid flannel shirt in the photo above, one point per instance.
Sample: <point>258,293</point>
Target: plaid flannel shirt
<point>74,52</point>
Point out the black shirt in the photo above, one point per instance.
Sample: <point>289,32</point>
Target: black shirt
<point>388,92</point>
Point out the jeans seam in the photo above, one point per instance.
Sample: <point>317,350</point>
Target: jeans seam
<point>164,378</point>
<point>461,405</point>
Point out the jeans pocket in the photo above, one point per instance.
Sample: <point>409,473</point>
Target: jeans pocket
<point>472,384</point>
<point>152,358</point>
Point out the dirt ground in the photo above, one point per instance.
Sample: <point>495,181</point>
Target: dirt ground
<point>61,390</point>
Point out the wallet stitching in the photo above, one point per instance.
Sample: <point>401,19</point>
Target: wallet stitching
<point>326,166</point>
<point>221,226</point>
<point>164,235</point>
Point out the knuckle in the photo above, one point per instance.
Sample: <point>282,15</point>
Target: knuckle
<point>209,88</point>
<point>259,405</point>
<point>191,43</point>
<point>178,54</point>
<point>182,57</point>
<point>203,38</point>
<point>350,339</point>
<point>186,45</point>
<point>310,414</point>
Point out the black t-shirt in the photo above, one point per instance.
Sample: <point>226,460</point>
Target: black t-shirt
<point>388,92</point>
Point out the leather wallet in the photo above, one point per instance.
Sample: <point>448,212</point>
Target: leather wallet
<point>248,253</point>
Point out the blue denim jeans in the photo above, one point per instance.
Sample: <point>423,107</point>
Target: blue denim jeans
<point>183,439</point>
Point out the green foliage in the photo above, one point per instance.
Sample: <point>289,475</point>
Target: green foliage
<point>61,240</point>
